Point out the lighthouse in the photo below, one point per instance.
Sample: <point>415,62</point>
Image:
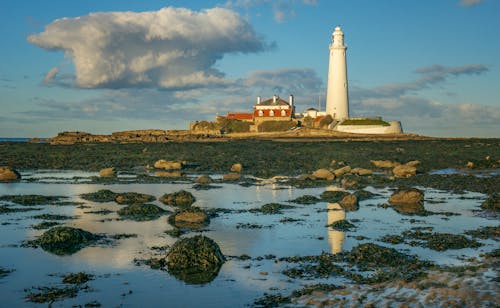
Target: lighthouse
<point>337,101</point>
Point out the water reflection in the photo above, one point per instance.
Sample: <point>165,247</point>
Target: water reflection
<point>335,238</point>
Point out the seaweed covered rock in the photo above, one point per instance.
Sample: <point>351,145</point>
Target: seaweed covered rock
<point>77,278</point>
<point>236,168</point>
<point>361,171</point>
<point>384,163</point>
<point>189,218</point>
<point>31,199</point>
<point>107,173</point>
<point>203,180</point>
<point>180,198</point>
<point>349,203</point>
<point>8,174</point>
<point>65,240</point>
<point>103,195</point>
<point>133,197</point>
<point>492,203</point>
<point>195,260</point>
<point>306,199</point>
<point>272,208</point>
<point>141,212</point>
<point>333,196</point>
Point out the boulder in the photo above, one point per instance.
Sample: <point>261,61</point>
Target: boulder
<point>306,177</point>
<point>409,208</point>
<point>236,168</point>
<point>404,171</point>
<point>361,171</point>
<point>8,174</point>
<point>231,177</point>
<point>349,203</point>
<point>133,197</point>
<point>406,196</point>
<point>168,165</point>
<point>342,171</point>
<point>65,240</point>
<point>195,260</point>
<point>324,174</point>
<point>348,183</point>
<point>189,218</point>
<point>204,180</point>
<point>413,163</point>
<point>469,165</point>
<point>180,198</point>
<point>333,196</point>
<point>384,163</point>
<point>107,173</point>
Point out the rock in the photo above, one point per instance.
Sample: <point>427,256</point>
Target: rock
<point>306,199</point>
<point>167,174</point>
<point>133,197</point>
<point>141,212</point>
<point>168,165</point>
<point>65,240</point>
<point>181,198</point>
<point>107,173</point>
<point>306,177</point>
<point>204,180</point>
<point>189,218</point>
<point>8,174</point>
<point>231,177</point>
<point>347,183</point>
<point>413,163</point>
<point>409,208</point>
<point>361,171</point>
<point>323,174</point>
<point>195,260</point>
<point>77,278</point>
<point>492,203</point>
<point>236,168</point>
<point>103,195</point>
<point>384,163</point>
<point>469,165</point>
<point>333,196</point>
<point>407,196</point>
<point>404,171</point>
<point>349,203</point>
<point>342,171</point>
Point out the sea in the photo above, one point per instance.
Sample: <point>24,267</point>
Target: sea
<point>14,139</point>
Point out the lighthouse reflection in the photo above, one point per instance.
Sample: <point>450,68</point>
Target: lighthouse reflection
<point>335,238</point>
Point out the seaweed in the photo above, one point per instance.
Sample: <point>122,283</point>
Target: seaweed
<point>180,198</point>
<point>62,240</point>
<point>103,195</point>
<point>77,278</point>
<point>29,200</point>
<point>45,225</point>
<point>272,208</point>
<point>306,199</point>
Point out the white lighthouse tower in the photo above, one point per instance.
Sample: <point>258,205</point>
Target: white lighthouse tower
<point>337,102</point>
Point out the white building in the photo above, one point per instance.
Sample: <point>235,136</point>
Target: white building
<point>337,101</point>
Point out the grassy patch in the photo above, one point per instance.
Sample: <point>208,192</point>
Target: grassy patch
<point>365,122</point>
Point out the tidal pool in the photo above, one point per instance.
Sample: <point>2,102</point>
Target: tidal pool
<point>298,231</point>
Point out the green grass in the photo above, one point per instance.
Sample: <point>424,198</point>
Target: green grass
<point>365,122</point>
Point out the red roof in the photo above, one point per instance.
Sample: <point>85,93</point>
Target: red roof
<point>239,116</point>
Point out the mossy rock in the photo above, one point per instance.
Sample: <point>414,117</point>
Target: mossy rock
<point>333,196</point>
<point>103,195</point>
<point>65,240</point>
<point>272,208</point>
<point>133,198</point>
<point>341,225</point>
<point>180,198</point>
<point>191,218</point>
<point>492,203</point>
<point>141,212</point>
<point>77,278</point>
<point>195,260</point>
<point>306,199</point>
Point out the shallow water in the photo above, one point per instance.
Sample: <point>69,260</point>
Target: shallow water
<point>239,282</point>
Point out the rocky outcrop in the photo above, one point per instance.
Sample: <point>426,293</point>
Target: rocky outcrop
<point>341,171</point>
<point>361,171</point>
<point>404,171</point>
<point>8,174</point>
<point>189,218</point>
<point>141,212</point>
<point>384,163</point>
<point>65,240</point>
<point>349,203</point>
<point>107,173</point>
<point>324,174</point>
<point>236,168</point>
<point>168,165</point>
<point>204,180</point>
<point>180,198</point>
<point>195,260</point>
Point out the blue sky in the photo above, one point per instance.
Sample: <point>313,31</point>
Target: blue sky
<point>104,66</point>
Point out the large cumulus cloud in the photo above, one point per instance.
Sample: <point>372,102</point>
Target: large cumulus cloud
<point>173,48</point>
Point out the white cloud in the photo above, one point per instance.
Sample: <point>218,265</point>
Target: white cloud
<point>171,48</point>
<point>469,3</point>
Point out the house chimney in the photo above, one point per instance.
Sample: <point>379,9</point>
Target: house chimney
<point>258,100</point>
<point>274,98</point>
<point>291,100</point>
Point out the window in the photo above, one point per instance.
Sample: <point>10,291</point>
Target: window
<point>261,113</point>
<point>271,113</point>
<point>283,113</point>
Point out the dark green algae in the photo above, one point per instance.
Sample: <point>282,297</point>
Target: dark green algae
<point>63,240</point>
<point>141,212</point>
